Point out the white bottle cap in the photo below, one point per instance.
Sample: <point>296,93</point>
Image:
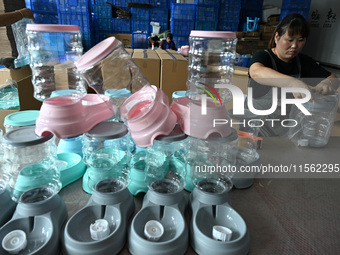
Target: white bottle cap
<point>221,233</point>
<point>302,142</point>
<point>14,242</point>
<point>153,230</point>
<point>99,229</point>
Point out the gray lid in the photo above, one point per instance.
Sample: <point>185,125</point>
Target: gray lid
<point>108,130</point>
<point>175,135</point>
<point>25,136</point>
<point>247,115</point>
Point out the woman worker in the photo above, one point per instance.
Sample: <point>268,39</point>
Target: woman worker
<point>282,65</point>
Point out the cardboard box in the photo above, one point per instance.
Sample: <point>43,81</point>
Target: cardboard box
<point>174,72</point>
<point>130,51</point>
<point>16,75</point>
<point>26,99</point>
<point>149,63</point>
<point>126,39</point>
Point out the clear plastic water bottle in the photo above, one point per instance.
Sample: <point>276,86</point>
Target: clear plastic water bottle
<point>314,130</point>
<point>107,153</point>
<point>107,65</point>
<point>53,50</point>
<point>19,32</point>
<point>212,162</point>
<point>166,162</point>
<point>30,162</point>
<point>211,63</point>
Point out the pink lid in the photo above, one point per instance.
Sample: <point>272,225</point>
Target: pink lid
<point>96,53</point>
<point>212,34</point>
<point>52,28</point>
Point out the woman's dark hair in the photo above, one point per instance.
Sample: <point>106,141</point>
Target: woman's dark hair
<point>293,24</point>
<point>170,36</point>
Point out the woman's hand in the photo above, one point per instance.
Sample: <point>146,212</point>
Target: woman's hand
<point>325,87</point>
<point>26,13</point>
<point>295,83</point>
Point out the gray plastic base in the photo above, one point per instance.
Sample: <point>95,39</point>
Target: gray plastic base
<point>168,209</point>
<point>40,214</point>
<point>208,210</point>
<point>7,206</point>
<point>115,206</point>
<point>245,180</point>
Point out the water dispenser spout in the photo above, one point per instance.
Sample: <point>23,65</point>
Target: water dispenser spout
<point>221,233</point>
<point>99,229</point>
<point>153,230</point>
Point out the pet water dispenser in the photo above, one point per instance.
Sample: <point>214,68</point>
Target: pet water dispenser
<point>160,227</point>
<point>33,179</point>
<point>67,110</point>
<point>248,127</point>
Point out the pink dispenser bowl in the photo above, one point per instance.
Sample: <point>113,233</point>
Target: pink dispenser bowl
<point>148,115</point>
<point>67,118</point>
<point>196,124</point>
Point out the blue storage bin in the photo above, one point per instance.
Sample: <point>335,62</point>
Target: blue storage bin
<point>139,40</point>
<point>101,35</point>
<point>140,25</point>
<point>207,2</point>
<point>181,27</point>
<point>160,3</point>
<point>139,13</point>
<point>120,3</point>
<point>183,11</point>
<point>159,14</point>
<point>102,11</point>
<point>206,13</point>
<point>101,2</point>
<point>75,6</point>
<point>122,26</point>
<point>139,1</point>
<point>303,11</point>
<point>87,41</point>
<point>206,25</point>
<point>228,26</point>
<point>181,41</point>
<point>42,5</point>
<point>295,4</point>
<point>104,24</point>
<point>242,61</point>
<point>45,17</point>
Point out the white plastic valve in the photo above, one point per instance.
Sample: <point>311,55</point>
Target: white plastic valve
<point>153,230</point>
<point>221,233</point>
<point>99,229</point>
<point>14,242</point>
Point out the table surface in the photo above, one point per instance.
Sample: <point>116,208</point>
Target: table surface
<point>285,214</point>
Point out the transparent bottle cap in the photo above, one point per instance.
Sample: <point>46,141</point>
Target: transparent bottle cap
<point>99,229</point>
<point>153,230</point>
<point>221,233</point>
<point>14,242</point>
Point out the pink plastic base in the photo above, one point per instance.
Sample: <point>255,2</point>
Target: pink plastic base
<point>69,120</point>
<point>194,124</point>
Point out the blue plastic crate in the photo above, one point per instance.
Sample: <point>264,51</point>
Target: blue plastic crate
<point>102,11</point>
<point>87,41</point>
<point>159,14</point>
<point>139,40</point>
<point>242,61</point>
<point>140,25</point>
<point>121,3</point>
<point>183,11</point>
<point>75,6</point>
<point>206,13</point>
<point>206,25</point>
<point>229,14</point>
<point>160,3</point>
<point>139,1</point>
<point>104,24</point>
<point>84,21</point>
<point>101,2</point>
<point>303,11</point>
<point>42,5</point>
<point>139,13</point>
<point>122,26</point>
<point>101,35</point>
<point>207,2</point>
<point>295,4</point>
<point>227,26</point>
<point>46,17</point>
<point>182,27</point>
<point>181,41</point>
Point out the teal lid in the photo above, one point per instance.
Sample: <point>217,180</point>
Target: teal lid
<point>22,118</point>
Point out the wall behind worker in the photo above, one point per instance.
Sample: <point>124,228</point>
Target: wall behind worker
<point>324,39</point>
